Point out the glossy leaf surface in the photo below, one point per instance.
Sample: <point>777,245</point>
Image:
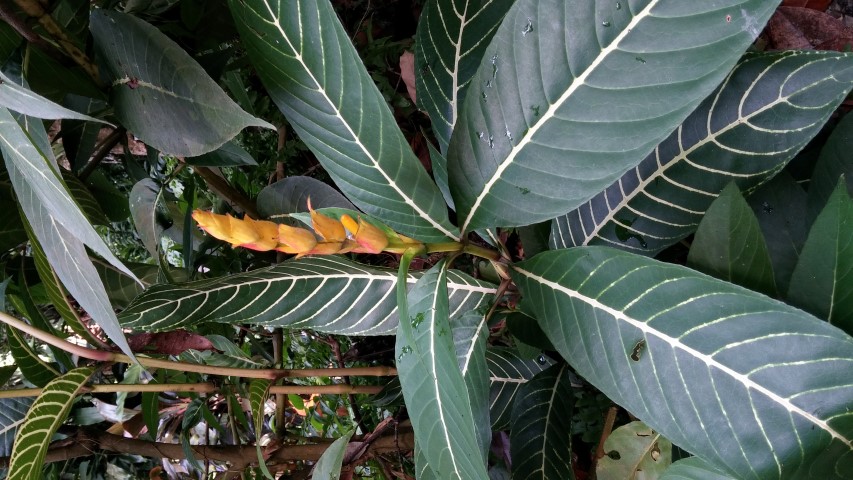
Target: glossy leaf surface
<point>693,468</point>
<point>541,434</point>
<point>313,73</point>
<point>327,294</point>
<point>719,370</point>
<point>571,94</point>
<point>160,92</point>
<point>765,111</point>
<point>452,36</point>
<point>435,392</point>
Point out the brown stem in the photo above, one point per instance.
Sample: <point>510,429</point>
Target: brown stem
<point>337,389</point>
<point>280,398</point>
<point>609,420</point>
<point>35,9</point>
<point>24,30</point>
<point>226,191</point>
<point>336,350</point>
<point>268,373</point>
<point>89,442</point>
<point>101,151</point>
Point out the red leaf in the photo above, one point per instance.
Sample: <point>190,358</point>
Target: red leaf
<point>407,72</point>
<point>169,343</point>
<point>795,28</point>
<point>821,5</point>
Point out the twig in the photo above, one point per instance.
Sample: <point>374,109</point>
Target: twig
<point>34,9</point>
<point>269,373</point>
<point>24,30</point>
<point>609,420</point>
<point>280,398</point>
<point>101,151</point>
<point>89,442</point>
<point>226,191</point>
<point>338,389</point>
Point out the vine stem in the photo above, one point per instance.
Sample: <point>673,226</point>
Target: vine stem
<point>339,389</point>
<point>268,373</point>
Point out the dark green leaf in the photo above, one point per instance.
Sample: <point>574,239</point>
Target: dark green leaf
<point>327,294</point>
<point>822,283</point>
<point>435,392</point>
<point>43,419</point>
<point>508,372</point>
<point>81,194</point>
<point>735,377</point>
<point>450,43</point>
<point>729,244</point>
<point>834,161</point>
<point>541,437</point>
<point>693,468</point>
<point>556,114</point>
<point>228,155</point>
<point>767,109</point>
<point>6,373</point>
<point>23,100</point>
<point>12,413</point>
<point>525,329</point>
<point>33,368</point>
<point>780,206</point>
<point>159,92</point>
<point>291,195</point>
<point>332,103</point>
<point>470,334</point>
<point>144,197</point>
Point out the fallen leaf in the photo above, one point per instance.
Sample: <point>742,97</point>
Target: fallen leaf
<point>169,343</point>
<point>821,5</point>
<point>407,72</point>
<point>797,28</point>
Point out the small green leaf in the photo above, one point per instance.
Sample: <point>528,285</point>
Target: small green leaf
<point>6,373</point>
<point>23,100</point>
<point>259,390</point>
<point>229,154</point>
<point>43,419</point>
<point>151,412</point>
<point>834,161</point>
<point>167,99</point>
<point>634,451</point>
<point>541,434</point>
<point>436,396</point>
<point>822,283</point>
<point>33,368</point>
<point>329,464</point>
<point>729,244</point>
<point>144,197</point>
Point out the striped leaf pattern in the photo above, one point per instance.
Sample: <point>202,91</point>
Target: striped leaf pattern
<point>13,411</point>
<point>258,392</point>
<point>45,416</point>
<point>313,73</point>
<point>541,434</point>
<point>759,389</point>
<point>509,371</point>
<point>767,109</point>
<point>470,334</point>
<point>452,36</point>
<point>327,294</point>
<point>572,94</point>
<point>435,392</point>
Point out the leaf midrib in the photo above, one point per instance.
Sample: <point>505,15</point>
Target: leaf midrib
<point>676,344</point>
<point>297,55</point>
<point>577,82</point>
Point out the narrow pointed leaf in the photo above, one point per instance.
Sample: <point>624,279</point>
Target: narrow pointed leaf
<point>313,73</point>
<point>259,390</point>
<point>508,372</point>
<point>329,464</point>
<point>33,368</point>
<point>144,197</point>
<point>43,419</point>
<point>541,435</point>
<point>766,110</point>
<point>555,115</point>
<point>230,154</point>
<point>12,414</point>
<point>693,468</point>
<point>634,451</point>
<point>452,36</point>
<point>822,282</point>
<point>435,392</point>
<point>23,100</point>
<point>780,206</point>
<point>834,161</point>
<point>719,370</point>
<point>327,294</point>
<point>729,245</point>
<point>470,333</point>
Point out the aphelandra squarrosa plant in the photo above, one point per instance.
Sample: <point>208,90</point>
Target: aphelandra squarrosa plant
<point>612,125</point>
